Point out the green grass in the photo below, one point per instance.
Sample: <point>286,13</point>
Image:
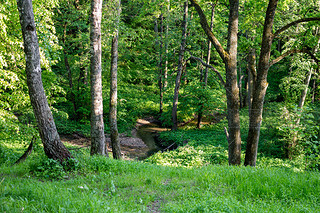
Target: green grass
<point>208,145</point>
<point>107,185</point>
<point>196,179</point>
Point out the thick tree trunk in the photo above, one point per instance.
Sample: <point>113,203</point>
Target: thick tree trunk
<point>229,58</point>
<point>260,87</point>
<point>113,93</point>
<point>232,90</point>
<point>180,67</point>
<point>97,125</point>
<point>52,144</point>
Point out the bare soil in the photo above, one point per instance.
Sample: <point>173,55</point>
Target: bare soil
<point>132,147</point>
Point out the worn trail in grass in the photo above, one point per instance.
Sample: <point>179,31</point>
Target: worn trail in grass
<point>106,185</point>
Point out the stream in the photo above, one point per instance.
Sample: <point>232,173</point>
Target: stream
<point>146,131</point>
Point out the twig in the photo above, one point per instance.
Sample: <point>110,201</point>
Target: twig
<point>169,146</point>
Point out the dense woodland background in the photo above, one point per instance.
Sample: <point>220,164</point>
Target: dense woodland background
<point>151,36</point>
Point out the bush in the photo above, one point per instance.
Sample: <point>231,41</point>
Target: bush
<point>47,168</point>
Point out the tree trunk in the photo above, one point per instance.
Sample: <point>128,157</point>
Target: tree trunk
<point>229,58</point>
<point>304,92</point>
<point>232,90</point>
<point>97,125</point>
<point>180,67</point>
<point>252,73</point>
<point>161,73</point>
<point>53,147</point>
<point>241,96</point>
<point>67,65</point>
<point>116,152</point>
<point>205,79</point>
<point>260,87</point>
<point>165,83</point>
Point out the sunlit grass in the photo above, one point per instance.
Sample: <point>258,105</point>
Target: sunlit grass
<point>106,185</point>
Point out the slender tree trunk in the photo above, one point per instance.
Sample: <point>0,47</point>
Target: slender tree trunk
<point>113,92</point>
<point>260,87</point>
<point>252,73</point>
<point>303,96</point>
<point>304,92</point>
<point>67,65</point>
<point>165,83</point>
<point>161,73</point>
<point>53,147</point>
<point>240,87</point>
<point>180,67</point>
<point>209,45</point>
<point>97,125</point>
<point>205,79</point>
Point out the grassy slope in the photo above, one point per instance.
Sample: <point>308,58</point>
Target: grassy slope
<point>106,185</point>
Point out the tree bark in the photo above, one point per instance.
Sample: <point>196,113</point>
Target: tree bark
<point>229,58</point>
<point>53,147</point>
<point>180,67</point>
<point>116,152</point>
<point>97,125</point>
<point>232,89</point>
<point>260,87</point>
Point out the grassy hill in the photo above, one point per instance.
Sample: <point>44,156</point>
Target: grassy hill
<point>98,184</point>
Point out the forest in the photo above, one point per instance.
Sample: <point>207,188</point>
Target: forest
<point>159,106</point>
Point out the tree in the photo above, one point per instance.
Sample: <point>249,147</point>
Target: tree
<point>53,146</point>
<point>261,84</point>
<point>98,145</point>
<point>204,77</point>
<point>229,57</point>
<point>72,29</point>
<point>180,68</point>
<point>113,90</point>
<point>259,81</point>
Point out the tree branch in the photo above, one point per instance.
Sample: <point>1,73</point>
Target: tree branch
<point>285,55</point>
<point>209,66</point>
<point>304,50</point>
<point>26,153</point>
<point>294,23</point>
<point>204,23</point>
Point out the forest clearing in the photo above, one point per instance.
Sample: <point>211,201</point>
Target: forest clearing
<point>159,106</point>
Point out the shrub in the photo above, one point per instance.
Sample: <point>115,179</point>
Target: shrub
<point>47,168</point>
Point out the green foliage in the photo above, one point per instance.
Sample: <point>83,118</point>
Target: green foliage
<point>190,156</point>
<point>47,168</point>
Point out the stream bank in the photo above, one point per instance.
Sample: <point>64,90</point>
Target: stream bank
<point>140,145</point>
